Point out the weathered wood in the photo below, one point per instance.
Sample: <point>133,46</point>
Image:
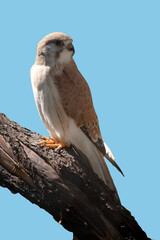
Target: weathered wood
<point>64,185</point>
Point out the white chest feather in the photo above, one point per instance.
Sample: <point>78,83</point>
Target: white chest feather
<point>48,101</point>
<point>50,109</point>
<point>58,124</point>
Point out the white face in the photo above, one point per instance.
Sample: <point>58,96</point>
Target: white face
<point>65,55</point>
<point>58,52</point>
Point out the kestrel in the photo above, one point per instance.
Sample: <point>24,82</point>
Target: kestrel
<point>65,105</point>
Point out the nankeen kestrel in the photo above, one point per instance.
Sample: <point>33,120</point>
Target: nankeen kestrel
<point>64,102</point>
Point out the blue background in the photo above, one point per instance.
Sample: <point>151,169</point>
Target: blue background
<point>118,51</point>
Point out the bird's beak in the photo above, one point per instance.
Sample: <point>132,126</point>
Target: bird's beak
<point>71,48</point>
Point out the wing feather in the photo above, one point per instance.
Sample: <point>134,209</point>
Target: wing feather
<point>77,103</point>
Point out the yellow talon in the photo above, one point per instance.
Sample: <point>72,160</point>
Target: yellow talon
<point>53,143</point>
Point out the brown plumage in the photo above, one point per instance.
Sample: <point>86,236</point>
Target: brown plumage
<point>65,105</point>
<point>77,100</point>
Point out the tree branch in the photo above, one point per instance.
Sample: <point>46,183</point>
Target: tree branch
<point>64,185</point>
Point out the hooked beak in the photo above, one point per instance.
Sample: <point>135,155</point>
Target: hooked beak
<point>71,48</point>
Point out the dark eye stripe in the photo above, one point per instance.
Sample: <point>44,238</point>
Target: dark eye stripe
<point>58,43</point>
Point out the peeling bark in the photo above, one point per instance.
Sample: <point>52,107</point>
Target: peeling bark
<point>64,185</point>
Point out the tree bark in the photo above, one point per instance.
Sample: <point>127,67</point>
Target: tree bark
<point>64,185</point>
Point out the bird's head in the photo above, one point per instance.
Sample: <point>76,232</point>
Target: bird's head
<point>55,49</point>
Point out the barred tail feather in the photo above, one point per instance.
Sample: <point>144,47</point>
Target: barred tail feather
<point>106,174</point>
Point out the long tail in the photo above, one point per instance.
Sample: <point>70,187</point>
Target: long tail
<point>94,156</point>
<point>106,174</point>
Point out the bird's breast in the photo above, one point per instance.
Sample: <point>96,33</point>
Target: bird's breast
<point>48,101</point>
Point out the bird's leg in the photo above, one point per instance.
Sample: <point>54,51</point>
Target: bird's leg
<point>53,143</point>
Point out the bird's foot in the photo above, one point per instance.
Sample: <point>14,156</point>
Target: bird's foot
<point>53,143</point>
<point>47,140</point>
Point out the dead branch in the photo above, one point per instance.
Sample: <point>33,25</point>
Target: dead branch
<point>64,185</point>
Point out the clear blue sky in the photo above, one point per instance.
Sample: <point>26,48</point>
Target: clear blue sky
<point>118,51</point>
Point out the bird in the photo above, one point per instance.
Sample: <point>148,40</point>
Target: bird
<point>64,102</point>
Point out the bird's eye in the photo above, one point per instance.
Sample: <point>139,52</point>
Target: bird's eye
<point>59,43</point>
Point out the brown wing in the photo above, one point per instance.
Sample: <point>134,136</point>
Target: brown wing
<point>77,103</point>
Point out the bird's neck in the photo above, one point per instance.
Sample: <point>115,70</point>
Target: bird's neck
<point>54,65</point>
<point>40,60</point>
